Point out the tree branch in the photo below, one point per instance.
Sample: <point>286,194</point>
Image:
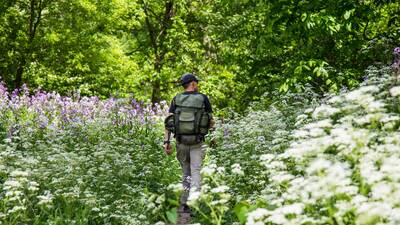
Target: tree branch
<point>365,31</point>
<point>31,18</point>
<point>150,29</point>
<point>34,20</point>
<point>166,22</point>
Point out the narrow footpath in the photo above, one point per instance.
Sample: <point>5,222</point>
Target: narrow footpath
<point>183,219</point>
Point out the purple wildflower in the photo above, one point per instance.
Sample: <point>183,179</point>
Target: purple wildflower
<point>396,64</point>
<point>396,51</point>
<point>226,132</point>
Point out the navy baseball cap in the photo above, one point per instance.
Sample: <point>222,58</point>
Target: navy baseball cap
<point>187,78</point>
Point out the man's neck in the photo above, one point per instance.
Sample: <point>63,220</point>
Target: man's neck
<point>189,90</point>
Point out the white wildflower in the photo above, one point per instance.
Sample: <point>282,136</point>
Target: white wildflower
<point>318,165</point>
<point>18,173</point>
<point>257,215</point>
<point>220,189</point>
<point>368,89</point>
<point>267,157</point>
<point>354,95</point>
<point>343,207</point>
<point>326,123</point>
<point>45,199</point>
<point>237,169</point>
<point>14,194</point>
<point>16,209</point>
<point>395,91</point>
<point>381,191</point>
<point>160,199</point>
<point>142,217</point>
<point>300,134</point>
<point>317,132</point>
<point>193,197</point>
<point>391,167</point>
<point>282,177</point>
<point>335,100</point>
<point>370,209</point>
<point>278,219</point>
<point>300,119</point>
<point>221,170</point>
<point>175,187</point>
<point>324,111</point>
<point>209,170</point>
<point>375,106</point>
<point>296,208</point>
<point>11,184</point>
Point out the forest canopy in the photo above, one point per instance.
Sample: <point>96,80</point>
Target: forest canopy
<point>241,49</point>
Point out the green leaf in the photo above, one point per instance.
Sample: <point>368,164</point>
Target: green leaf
<point>317,71</point>
<point>298,70</point>
<point>172,215</point>
<point>241,209</point>
<point>329,81</point>
<point>347,14</point>
<point>284,87</point>
<point>303,17</point>
<point>348,27</point>
<point>173,202</point>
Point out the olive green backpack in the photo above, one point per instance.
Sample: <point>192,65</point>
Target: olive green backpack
<point>190,120</point>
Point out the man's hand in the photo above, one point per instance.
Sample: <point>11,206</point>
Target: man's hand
<point>211,127</point>
<point>167,149</point>
<point>213,143</point>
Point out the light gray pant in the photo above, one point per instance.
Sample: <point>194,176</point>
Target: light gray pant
<point>191,158</point>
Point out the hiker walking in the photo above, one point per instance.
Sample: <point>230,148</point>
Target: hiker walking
<point>190,120</point>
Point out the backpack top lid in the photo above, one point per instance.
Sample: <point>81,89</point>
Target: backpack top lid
<point>192,100</point>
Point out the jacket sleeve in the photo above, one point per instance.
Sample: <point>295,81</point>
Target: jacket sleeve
<point>207,104</point>
<point>172,106</point>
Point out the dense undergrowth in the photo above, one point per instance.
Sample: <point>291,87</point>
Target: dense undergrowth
<point>299,160</point>
<point>331,161</point>
<point>79,161</point>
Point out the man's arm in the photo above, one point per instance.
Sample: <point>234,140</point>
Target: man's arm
<point>167,133</point>
<point>167,144</point>
<point>208,109</point>
<point>167,140</point>
<point>212,124</point>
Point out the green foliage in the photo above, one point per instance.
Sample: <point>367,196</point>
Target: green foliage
<point>240,49</point>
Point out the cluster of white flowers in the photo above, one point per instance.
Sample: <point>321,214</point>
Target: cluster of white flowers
<point>45,199</point>
<point>209,169</point>
<point>395,91</point>
<point>237,169</point>
<point>347,160</point>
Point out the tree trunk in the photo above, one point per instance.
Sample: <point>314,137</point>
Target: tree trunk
<point>35,15</point>
<point>156,95</point>
<point>19,72</point>
<point>157,39</point>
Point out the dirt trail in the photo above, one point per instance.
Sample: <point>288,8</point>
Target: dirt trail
<point>183,219</point>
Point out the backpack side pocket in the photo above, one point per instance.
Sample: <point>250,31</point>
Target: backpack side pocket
<point>204,123</point>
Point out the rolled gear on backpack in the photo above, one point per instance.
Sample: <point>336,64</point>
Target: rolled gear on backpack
<point>169,123</point>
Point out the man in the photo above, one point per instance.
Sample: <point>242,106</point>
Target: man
<point>191,118</point>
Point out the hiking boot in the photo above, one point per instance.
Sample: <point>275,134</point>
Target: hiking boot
<point>184,208</point>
